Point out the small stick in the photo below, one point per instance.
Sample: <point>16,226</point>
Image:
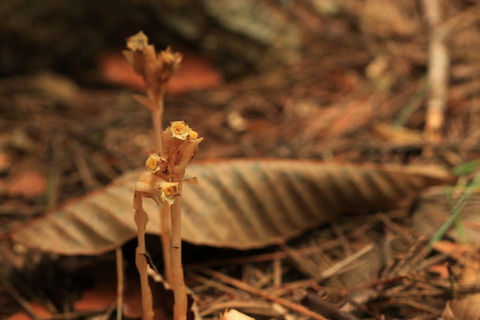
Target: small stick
<point>343,240</point>
<point>438,71</point>
<point>327,308</point>
<point>18,298</point>
<point>107,314</point>
<point>214,284</point>
<point>277,272</point>
<point>54,176</point>
<point>262,293</point>
<point>87,314</point>
<point>268,256</point>
<point>120,281</point>
<point>88,179</point>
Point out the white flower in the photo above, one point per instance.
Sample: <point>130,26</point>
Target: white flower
<point>180,130</point>
<point>153,162</point>
<point>152,186</point>
<point>169,191</point>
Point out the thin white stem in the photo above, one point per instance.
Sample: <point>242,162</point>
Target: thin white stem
<point>141,219</point>
<point>179,289</point>
<point>165,227</point>
<point>157,118</point>
<point>438,71</point>
<point>120,281</point>
<point>157,131</point>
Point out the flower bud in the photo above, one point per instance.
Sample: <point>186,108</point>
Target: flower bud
<point>153,162</point>
<point>169,191</point>
<point>137,42</point>
<point>179,130</point>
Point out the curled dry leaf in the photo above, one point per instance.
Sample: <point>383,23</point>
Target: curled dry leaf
<point>433,208</point>
<point>239,204</point>
<point>234,315</point>
<point>29,184</point>
<point>466,307</point>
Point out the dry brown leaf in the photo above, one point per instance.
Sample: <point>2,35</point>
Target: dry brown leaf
<point>455,250</point>
<point>397,134</point>
<point>433,210</point>
<point>27,184</point>
<point>467,307</point>
<point>195,73</point>
<point>234,315</point>
<point>239,204</point>
<point>39,310</point>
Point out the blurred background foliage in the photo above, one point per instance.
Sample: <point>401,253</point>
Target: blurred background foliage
<point>242,37</point>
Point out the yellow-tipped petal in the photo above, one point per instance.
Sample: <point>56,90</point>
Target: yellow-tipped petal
<point>179,130</point>
<point>153,162</point>
<point>137,42</point>
<point>193,135</point>
<point>169,191</point>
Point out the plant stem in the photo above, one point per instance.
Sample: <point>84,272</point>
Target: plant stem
<point>178,285</point>
<point>165,227</point>
<point>164,210</point>
<point>157,119</point>
<point>141,219</point>
<point>120,278</point>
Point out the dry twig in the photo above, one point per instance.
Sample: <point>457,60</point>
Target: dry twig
<point>438,71</point>
<point>262,293</point>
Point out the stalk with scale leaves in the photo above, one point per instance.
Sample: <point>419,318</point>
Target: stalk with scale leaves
<point>175,147</point>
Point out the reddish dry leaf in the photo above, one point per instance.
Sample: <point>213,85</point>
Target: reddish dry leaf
<point>433,210</point>
<point>239,204</point>
<point>195,73</point>
<point>28,184</point>
<point>39,310</point>
<point>440,269</point>
<point>101,296</point>
<point>455,250</point>
<point>5,162</point>
<point>234,315</point>
<point>467,307</point>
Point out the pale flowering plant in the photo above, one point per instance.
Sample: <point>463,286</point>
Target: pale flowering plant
<point>163,183</point>
<point>174,148</point>
<point>180,144</point>
<point>155,69</point>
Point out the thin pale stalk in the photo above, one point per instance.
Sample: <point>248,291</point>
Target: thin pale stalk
<point>120,281</point>
<point>157,119</point>
<point>165,227</point>
<point>164,210</point>
<point>141,219</point>
<point>178,285</point>
<point>438,70</point>
<point>157,130</point>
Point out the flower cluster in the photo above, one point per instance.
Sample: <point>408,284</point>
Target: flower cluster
<point>156,69</point>
<point>174,149</point>
<point>161,183</point>
<point>158,189</point>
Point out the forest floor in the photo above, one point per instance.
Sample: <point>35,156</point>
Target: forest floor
<point>60,141</point>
